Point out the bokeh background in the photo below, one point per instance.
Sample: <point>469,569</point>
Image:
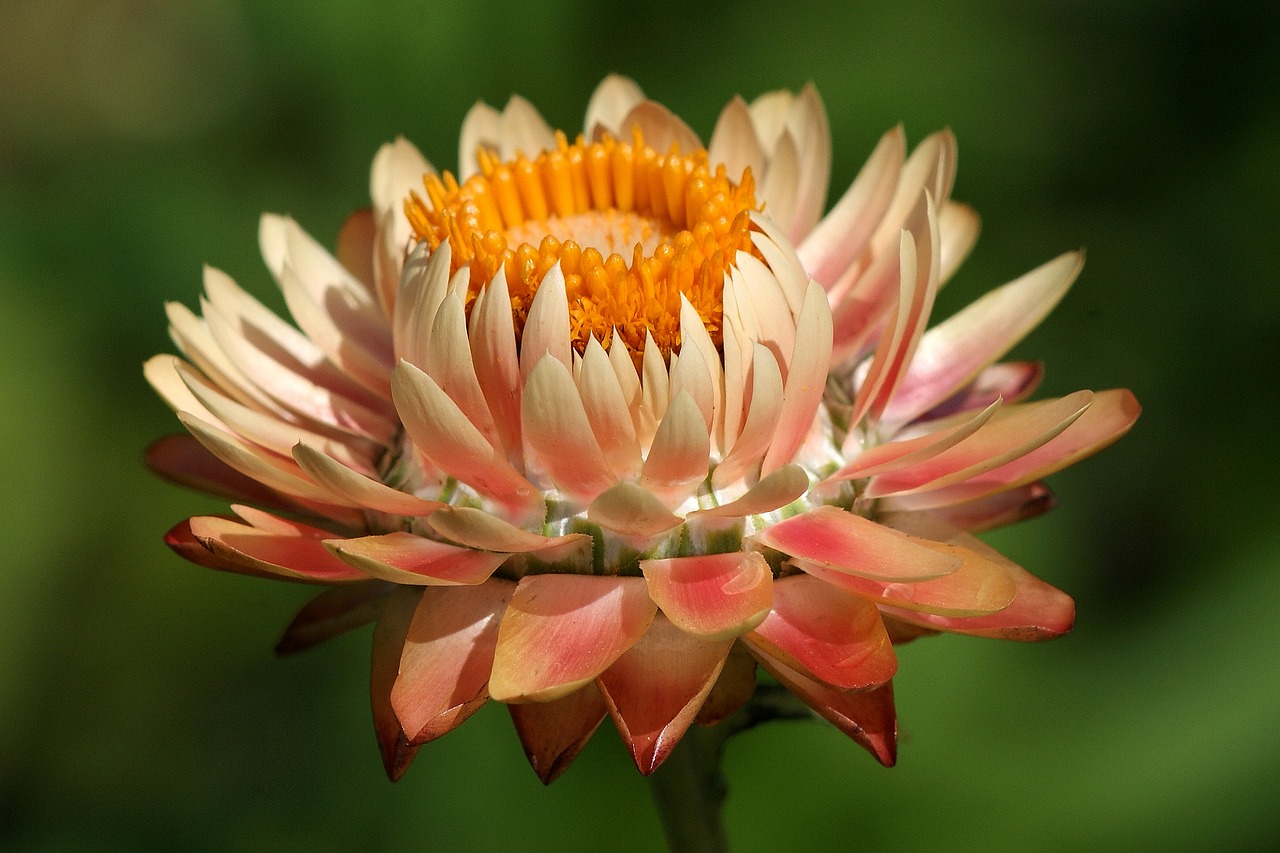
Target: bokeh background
<point>140,705</point>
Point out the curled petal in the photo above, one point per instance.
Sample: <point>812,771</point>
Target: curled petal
<point>657,686</point>
<point>711,595</point>
<point>827,634</point>
<point>403,558</point>
<point>561,631</point>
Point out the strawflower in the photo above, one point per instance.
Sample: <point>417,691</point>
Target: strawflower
<point>597,427</point>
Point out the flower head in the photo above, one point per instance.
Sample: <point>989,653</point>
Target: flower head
<point>595,428</point>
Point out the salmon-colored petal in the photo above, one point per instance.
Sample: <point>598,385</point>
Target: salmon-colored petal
<point>631,510</point>
<point>561,631</point>
<point>448,652</point>
<point>553,733</point>
<point>335,611</point>
<point>476,528</point>
<point>825,633</point>
<point>403,558</point>
<point>732,690</point>
<point>354,247</point>
<point>388,643</point>
<point>290,555</point>
<point>557,429</point>
<point>1112,414</point>
<point>714,596</point>
<point>866,716</point>
<point>444,435</point>
<point>979,586</point>
<point>847,543</point>
<point>1012,432</point>
<point>952,353</point>
<point>185,544</point>
<point>357,488</point>
<point>655,689</point>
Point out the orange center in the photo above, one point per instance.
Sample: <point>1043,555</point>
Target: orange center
<point>587,206</point>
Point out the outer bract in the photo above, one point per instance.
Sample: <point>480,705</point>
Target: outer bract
<point>595,427</point>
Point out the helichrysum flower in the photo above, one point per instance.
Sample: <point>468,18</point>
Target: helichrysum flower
<point>596,427</point>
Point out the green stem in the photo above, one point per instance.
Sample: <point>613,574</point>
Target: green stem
<point>689,788</point>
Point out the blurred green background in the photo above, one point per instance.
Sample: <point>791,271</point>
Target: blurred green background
<point>140,705</point>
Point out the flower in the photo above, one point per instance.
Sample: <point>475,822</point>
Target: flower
<point>597,427</point>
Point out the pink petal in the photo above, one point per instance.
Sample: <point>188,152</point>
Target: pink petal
<point>335,611</point>
<point>448,653</point>
<point>825,633</point>
<point>1012,432</point>
<point>293,555</point>
<point>866,716</point>
<point>1112,414</point>
<point>850,544</point>
<point>388,644</point>
<point>712,595</point>
<point>1009,381</point>
<point>185,544</point>
<point>999,509</point>
<point>561,631</point>
<point>952,353</point>
<point>553,733</point>
<point>403,558</point>
<point>657,686</point>
<point>978,587</point>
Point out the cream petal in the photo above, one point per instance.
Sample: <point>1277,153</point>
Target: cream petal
<point>930,168</point>
<point>774,491</point>
<point>959,225</point>
<point>609,105</point>
<point>398,167</point>
<point>161,373</point>
<point>448,652</point>
<point>546,330</point>
<point>691,374</point>
<point>557,429</point>
<point>769,115</point>
<point>679,457</point>
<point>422,288</point>
<point>403,558</point>
<point>609,411</point>
<point>655,689</point>
<point>523,130</point>
<point>782,260</point>
<point>850,544</point>
<point>762,291</point>
<point>737,359</point>
<point>714,596</point>
<point>806,379</point>
<point>1012,432</point>
<point>497,366</point>
<point>631,510</point>
<point>780,186</point>
<point>481,127</point>
<point>764,411</point>
<point>694,335</point>
<point>443,434</point>
<point>655,392</point>
<point>826,634</point>
<point>349,485</point>
<point>808,125</point>
<point>952,353</point>
<point>734,142</point>
<point>661,128</point>
<point>561,631</point>
<point>843,234</point>
<point>553,733</point>
<point>476,528</point>
<point>449,364</point>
